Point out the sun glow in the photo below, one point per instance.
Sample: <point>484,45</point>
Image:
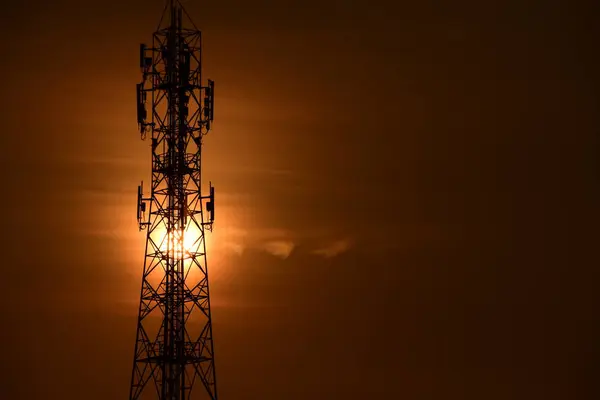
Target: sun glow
<point>179,243</point>
<point>201,253</point>
<point>186,246</point>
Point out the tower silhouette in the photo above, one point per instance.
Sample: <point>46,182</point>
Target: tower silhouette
<point>174,346</point>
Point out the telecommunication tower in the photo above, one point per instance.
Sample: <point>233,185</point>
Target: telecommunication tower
<point>174,351</point>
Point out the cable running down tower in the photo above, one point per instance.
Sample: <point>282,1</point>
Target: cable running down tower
<point>174,348</point>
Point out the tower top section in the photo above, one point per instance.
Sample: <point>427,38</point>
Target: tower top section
<point>175,16</point>
<point>172,66</point>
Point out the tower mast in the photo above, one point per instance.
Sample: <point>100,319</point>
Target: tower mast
<point>174,346</point>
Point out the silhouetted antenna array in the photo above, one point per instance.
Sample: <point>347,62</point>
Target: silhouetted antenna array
<point>174,345</point>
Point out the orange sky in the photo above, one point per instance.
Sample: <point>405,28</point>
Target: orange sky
<point>406,198</point>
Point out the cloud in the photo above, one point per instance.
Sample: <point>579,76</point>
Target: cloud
<point>279,248</point>
<point>280,242</point>
<point>275,241</point>
<point>237,248</point>
<point>334,249</point>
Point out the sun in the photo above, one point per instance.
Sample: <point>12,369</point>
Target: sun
<point>182,244</point>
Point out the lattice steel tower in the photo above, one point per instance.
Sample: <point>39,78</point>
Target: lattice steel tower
<point>174,346</point>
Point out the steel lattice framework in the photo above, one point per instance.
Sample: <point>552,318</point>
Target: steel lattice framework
<point>174,346</point>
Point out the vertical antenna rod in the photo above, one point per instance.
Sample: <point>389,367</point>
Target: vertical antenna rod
<point>174,346</point>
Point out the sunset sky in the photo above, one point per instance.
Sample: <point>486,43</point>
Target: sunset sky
<point>406,198</point>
